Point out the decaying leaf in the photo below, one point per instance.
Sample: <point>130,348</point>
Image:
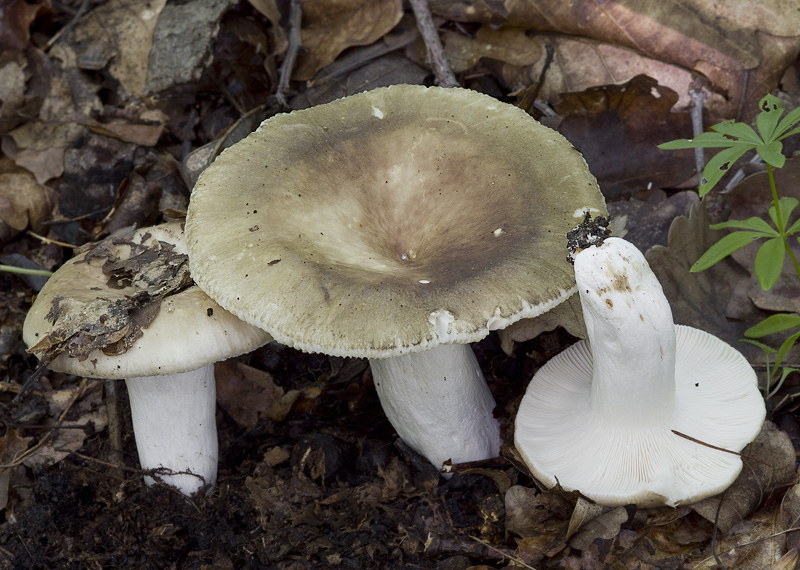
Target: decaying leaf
<point>248,394</point>
<point>635,116</point>
<point>118,35</point>
<point>144,273</point>
<point>507,44</point>
<point>568,315</point>
<point>707,299</point>
<point>11,446</point>
<point>23,201</point>
<point>182,41</point>
<point>768,462</point>
<point>606,525</point>
<point>331,26</point>
<point>15,21</point>
<point>24,80</point>
<point>742,50</point>
<point>529,510</point>
<point>88,411</point>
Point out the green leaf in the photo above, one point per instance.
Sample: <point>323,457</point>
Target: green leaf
<point>773,324</point>
<point>723,248</point>
<point>769,262</point>
<point>787,122</point>
<point>787,204</point>
<point>765,347</point>
<point>754,223</point>
<point>786,347</point>
<point>770,104</point>
<point>719,164</point>
<point>794,228</point>
<point>790,133</point>
<point>767,121</point>
<point>772,153</point>
<point>705,140</point>
<point>741,131</point>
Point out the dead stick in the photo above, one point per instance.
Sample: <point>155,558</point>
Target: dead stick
<point>433,44</point>
<point>295,21</point>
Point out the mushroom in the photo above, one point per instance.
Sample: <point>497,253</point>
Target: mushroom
<point>606,416</point>
<point>396,225</point>
<point>127,309</point>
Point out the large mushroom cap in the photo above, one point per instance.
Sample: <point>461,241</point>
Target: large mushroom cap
<point>190,330</point>
<point>390,221</point>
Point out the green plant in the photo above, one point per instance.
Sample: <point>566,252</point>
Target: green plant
<point>736,139</point>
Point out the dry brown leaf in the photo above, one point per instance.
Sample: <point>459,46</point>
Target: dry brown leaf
<point>11,446</point>
<point>23,201</point>
<point>15,20</point>
<point>704,300</point>
<point>742,51</point>
<point>118,35</point>
<point>248,394</point>
<point>331,26</point>
<point>88,411</point>
<point>40,147</point>
<point>24,80</point>
<point>755,544</point>
<point>269,9</point>
<point>506,44</point>
<point>617,129</point>
<point>528,510</point>
<point>568,314</point>
<point>772,464</point>
<point>606,525</point>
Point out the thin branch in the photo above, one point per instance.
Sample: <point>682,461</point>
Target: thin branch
<point>433,44</point>
<point>295,43</point>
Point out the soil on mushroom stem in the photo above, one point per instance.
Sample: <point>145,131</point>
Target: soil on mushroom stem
<point>326,487</point>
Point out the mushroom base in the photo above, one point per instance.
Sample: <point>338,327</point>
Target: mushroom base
<point>439,403</point>
<point>175,427</point>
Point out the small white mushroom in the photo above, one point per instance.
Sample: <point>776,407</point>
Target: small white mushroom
<point>169,371</point>
<point>600,417</point>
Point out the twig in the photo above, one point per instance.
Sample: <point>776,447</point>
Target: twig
<point>295,43</point>
<point>71,24</point>
<point>700,442</point>
<point>501,553</point>
<point>433,44</point>
<point>49,241</point>
<point>698,97</point>
<point>32,450</point>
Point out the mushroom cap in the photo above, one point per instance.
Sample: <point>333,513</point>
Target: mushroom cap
<point>717,402</point>
<point>390,221</point>
<point>189,331</point>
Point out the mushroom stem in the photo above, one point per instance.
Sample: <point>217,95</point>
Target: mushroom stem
<point>631,332</point>
<point>439,403</point>
<point>175,427</point>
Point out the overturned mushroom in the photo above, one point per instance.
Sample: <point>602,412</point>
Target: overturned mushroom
<point>396,225</point>
<point>602,416</point>
<point>127,309</point>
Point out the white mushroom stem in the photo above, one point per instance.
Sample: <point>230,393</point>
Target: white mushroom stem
<point>175,427</point>
<point>631,332</point>
<point>439,403</point>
